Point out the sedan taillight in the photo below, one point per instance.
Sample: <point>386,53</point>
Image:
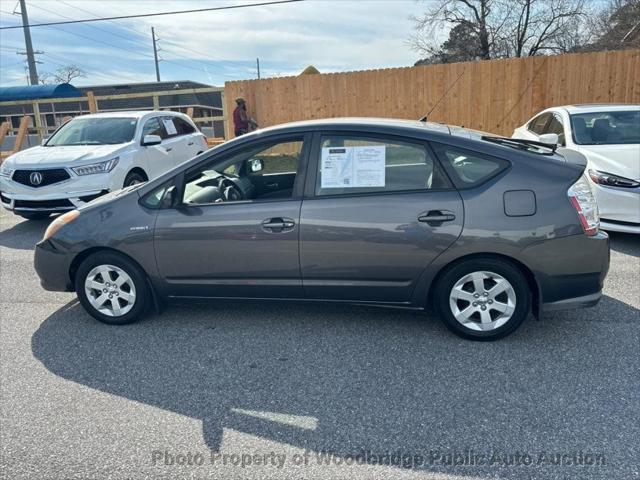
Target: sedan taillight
<point>583,200</point>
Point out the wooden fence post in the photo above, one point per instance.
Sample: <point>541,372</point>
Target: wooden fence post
<point>4,128</point>
<point>93,105</point>
<point>38,121</point>
<point>23,131</point>
<point>190,112</point>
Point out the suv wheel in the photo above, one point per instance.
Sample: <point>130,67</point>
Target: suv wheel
<point>133,178</point>
<point>112,288</point>
<point>483,299</point>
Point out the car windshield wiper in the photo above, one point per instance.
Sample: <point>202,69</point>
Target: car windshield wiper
<point>522,144</point>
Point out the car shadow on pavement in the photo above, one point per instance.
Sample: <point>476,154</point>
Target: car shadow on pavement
<point>627,243</point>
<point>24,235</point>
<point>348,379</point>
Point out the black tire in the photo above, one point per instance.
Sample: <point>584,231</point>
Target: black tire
<point>508,271</point>
<point>132,178</point>
<point>35,215</point>
<point>143,295</point>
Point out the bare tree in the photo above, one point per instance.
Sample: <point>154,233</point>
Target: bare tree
<point>500,28</point>
<point>62,75</point>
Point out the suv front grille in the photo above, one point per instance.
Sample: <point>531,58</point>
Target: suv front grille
<point>40,178</point>
<point>43,204</point>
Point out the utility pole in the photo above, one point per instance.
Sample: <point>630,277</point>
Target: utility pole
<point>258,65</point>
<point>31,61</point>
<point>155,54</point>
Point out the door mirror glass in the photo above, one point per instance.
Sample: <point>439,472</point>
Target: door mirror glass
<point>255,165</point>
<point>549,138</point>
<point>149,140</point>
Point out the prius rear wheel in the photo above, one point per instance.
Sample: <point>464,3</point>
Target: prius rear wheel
<point>483,299</point>
<point>112,288</point>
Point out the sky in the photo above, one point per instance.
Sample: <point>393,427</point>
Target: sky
<point>211,47</point>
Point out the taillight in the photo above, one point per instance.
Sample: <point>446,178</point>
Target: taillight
<point>582,199</point>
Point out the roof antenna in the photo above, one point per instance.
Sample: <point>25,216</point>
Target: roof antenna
<point>424,119</point>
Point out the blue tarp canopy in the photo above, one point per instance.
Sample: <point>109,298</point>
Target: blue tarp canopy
<point>36,92</point>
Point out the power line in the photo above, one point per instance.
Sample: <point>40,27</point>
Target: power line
<point>174,12</point>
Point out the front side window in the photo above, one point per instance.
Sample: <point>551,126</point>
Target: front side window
<point>467,168</point>
<point>359,164</point>
<point>262,172</point>
<point>153,127</point>
<point>94,131</point>
<point>537,124</point>
<point>555,126</point>
<point>606,128</point>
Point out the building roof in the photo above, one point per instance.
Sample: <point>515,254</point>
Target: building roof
<point>33,92</point>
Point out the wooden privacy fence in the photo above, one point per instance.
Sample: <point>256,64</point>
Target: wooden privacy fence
<point>494,96</point>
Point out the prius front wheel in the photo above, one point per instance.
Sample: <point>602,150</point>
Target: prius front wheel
<point>483,299</point>
<point>112,288</point>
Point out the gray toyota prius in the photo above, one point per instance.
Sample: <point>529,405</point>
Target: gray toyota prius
<point>482,229</point>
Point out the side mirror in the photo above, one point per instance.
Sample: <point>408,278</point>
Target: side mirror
<point>549,139</point>
<point>149,140</point>
<point>255,165</point>
<point>169,197</point>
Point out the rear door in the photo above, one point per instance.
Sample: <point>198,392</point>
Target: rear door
<point>377,211</point>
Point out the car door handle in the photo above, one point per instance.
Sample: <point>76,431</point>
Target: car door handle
<point>190,143</point>
<point>168,149</point>
<point>436,217</point>
<point>278,224</point>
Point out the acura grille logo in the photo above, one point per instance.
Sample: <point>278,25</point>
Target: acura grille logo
<point>35,178</point>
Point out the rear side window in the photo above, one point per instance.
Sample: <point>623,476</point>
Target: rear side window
<point>467,168</point>
<point>363,164</point>
<point>182,126</point>
<point>537,124</point>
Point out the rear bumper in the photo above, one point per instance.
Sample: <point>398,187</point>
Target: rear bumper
<point>569,271</point>
<point>585,301</point>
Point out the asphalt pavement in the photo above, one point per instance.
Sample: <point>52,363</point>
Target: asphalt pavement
<point>270,390</point>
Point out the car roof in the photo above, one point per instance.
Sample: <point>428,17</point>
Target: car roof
<point>130,114</point>
<point>599,107</point>
<point>368,122</point>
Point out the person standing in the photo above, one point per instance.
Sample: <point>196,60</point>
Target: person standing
<point>240,118</point>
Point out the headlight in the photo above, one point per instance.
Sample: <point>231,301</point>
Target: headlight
<point>5,171</point>
<point>60,222</point>
<point>610,180</point>
<point>102,167</point>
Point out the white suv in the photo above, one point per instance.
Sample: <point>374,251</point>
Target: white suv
<point>95,154</point>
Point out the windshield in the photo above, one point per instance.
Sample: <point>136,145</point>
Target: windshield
<point>606,128</point>
<point>94,131</point>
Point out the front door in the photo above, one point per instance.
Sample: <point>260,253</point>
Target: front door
<point>224,240</point>
<point>159,158</point>
<point>381,210</point>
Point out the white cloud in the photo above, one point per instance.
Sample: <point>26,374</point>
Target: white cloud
<point>333,35</point>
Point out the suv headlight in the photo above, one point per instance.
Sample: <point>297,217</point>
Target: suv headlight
<point>5,171</point>
<point>611,180</point>
<point>102,167</point>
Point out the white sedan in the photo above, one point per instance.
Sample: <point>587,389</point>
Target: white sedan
<point>95,154</point>
<point>608,135</point>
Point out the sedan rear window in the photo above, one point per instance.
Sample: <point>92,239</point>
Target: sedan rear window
<point>94,131</point>
<point>468,168</point>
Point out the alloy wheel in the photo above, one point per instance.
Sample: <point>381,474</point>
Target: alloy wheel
<point>110,290</point>
<point>482,301</point>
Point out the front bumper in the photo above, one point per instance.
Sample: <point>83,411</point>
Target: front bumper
<point>57,197</point>
<point>53,267</point>
<point>619,208</point>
